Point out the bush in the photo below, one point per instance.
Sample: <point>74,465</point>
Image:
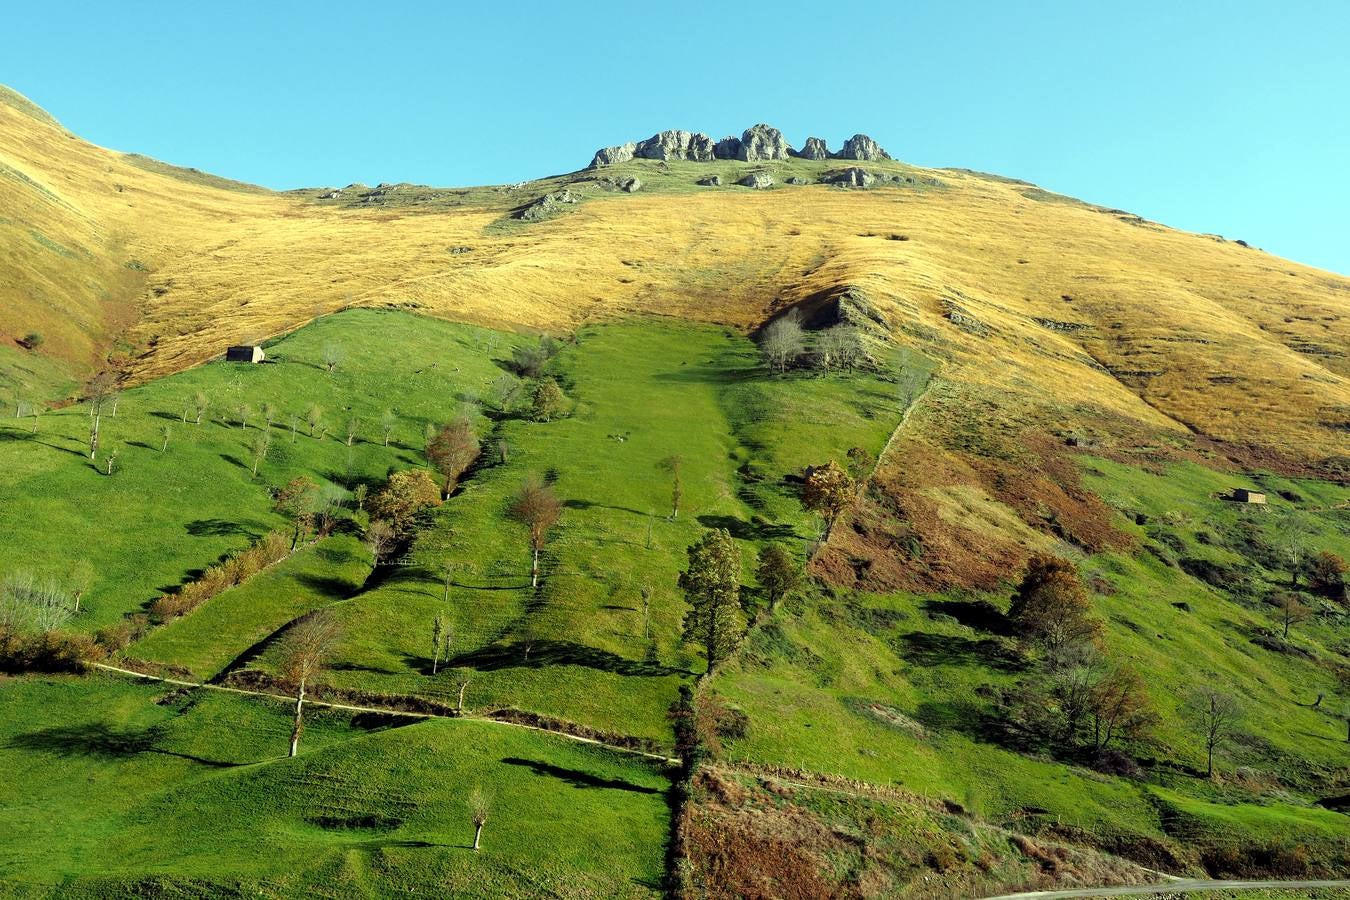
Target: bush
<point>233,570</point>
<point>48,651</point>
<point>32,340</point>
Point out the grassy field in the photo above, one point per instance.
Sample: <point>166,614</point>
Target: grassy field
<point>578,648</point>
<point>162,515</point>
<point>130,790</point>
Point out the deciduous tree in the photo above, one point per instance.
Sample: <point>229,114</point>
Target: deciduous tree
<point>549,401</point>
<point>480,804</point>
<point>381,539</point>
<point>1216,713</point>
<point>672,465</point>
<point>451,450</point>
<point>538,508</point>
<point>782,342</point>
<point>1329,575</point>
<point>403,497</point>
<point>305,650</point>
<point>1051,607</point>
<point>1289,610</point>
<point>778,574</point>
<point>712,587</point>
<point>827,490</point>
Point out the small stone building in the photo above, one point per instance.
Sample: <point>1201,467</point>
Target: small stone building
<point>245,353</point>
<point>1242,495</point>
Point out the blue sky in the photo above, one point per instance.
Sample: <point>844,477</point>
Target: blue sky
<point>1226,117</point>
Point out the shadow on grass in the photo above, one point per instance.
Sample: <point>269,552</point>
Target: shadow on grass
<point>587,504</point>
<point>577,778</point>
<point>97,741</point>
<point>929,649</point>
<point>222,528</point>
<point>749,531</point>
<point>549,653</point>
<point>980,615</point>
<point>328,586</point>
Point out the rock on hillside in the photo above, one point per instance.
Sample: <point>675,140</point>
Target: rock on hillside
<point>762,142</point>
<point>547,206</point>
<point>851,177</point>
<point>668,145</point>
<point>757,180</point>
<point>862,147</point>
<point>757,143</point>
<point>814,148</point>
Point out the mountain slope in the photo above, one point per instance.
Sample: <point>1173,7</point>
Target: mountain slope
<point>1032,297</point>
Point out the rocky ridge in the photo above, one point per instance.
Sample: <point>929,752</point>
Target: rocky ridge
<point>756,143</point>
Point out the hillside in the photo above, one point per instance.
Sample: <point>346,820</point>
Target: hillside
<point>1033,376</point>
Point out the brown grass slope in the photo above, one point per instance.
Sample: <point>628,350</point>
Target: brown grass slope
<point>1031,301</point>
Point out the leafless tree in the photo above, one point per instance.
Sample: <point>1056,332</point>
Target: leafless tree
<point>381,538</point>
<point>314,418</point>
<point>79,581</point>
<point>200,402</point>
<point>387,423</point>
<point>452,450</point>
<point>1217,714</point>
<point>243,412</point>
<point>269,414</point>
<point>332,357</point>
<point>259,447</point>
<point>672,465</point>
<point>165,432</point>
<point>111,458</point>
<point>305,651</point>
<point>480,804</point>
<point>782,342</point>
<point>353,428</point>
<point>1289,610</point>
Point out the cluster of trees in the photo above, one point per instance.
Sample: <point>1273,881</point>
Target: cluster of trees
<point>1075,697</point>
<point>33,613</point>
<point>783,345</point>
<point>711,583</point>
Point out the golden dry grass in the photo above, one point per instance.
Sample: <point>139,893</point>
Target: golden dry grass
<point>1171,330</point>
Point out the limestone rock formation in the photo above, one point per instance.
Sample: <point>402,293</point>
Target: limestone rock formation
<point>760,142</point>
<point>727,148</point>
<point>711,181</point>
<point>630,185</point>
<point>851,177</point>
<point>608,156</point>
<point>547,206</point>
<point>814,148</point>
<point>757,180</point>
<point>862,147</point>
<point>668,145</point>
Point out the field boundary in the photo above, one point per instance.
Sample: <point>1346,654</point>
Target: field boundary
<point>350,707</point>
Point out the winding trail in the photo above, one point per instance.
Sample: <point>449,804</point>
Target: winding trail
<point>176,682</point>
<point>1180,886</point>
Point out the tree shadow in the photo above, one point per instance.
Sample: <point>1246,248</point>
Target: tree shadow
<point>221,528</point>
<point>234,461</point>
<point>979,614</point>
<point>578,778</point>
<point>587,504</point>
<point>929,649</point>
<point>749,531</point>
<point>96,740</point>
<point>554,653</point>
<point>327,585</point>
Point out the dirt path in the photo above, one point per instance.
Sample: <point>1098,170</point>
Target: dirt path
<point>1180,886</point>
<point>386,711</point>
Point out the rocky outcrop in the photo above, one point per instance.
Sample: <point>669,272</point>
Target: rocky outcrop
<point>630,185</point>
<point>672,145</point>
<point>814,148</point>
<point>851,177</point>
<point>608,156</point>
<point>547,206</point>
<point>797,180</point>
<point>862,147</point>
<point>757,143</point>
<point>757,180</point>
<point>760,142</point>
<point>711,181</point>
<point>727,148</point>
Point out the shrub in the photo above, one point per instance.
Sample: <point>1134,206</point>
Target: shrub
<point>48,651</point>
<point>233,570</point>
<point>1329,575</point>
<point>32,340</point>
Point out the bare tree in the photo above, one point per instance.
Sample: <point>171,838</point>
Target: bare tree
<point>305,651</point>
<point>353,428</point>
<point>387,423</point>
<point>332,357</point>
<point>165,432</point>
<point>1217,714</point>
<point>101,390</point>
<point>259,447</point>
<point>480,804</point>
<point>314,417</point>
<point>538,508</point>
<point>111,458</point>
<point>200,402</point>
<point>79,581</point>
<point>1290,610</point>
<point>381,538</point>
<point>781,342</point>
<point>243,412</point>
<point>36,412</point>
<point>672,465</point>
<point>269,414</point>
<point>437,631</point>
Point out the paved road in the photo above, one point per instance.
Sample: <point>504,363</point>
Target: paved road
<point>1180,886</point>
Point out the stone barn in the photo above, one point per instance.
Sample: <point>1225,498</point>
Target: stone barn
<point>1242,495</point>
<point>245,353</point>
